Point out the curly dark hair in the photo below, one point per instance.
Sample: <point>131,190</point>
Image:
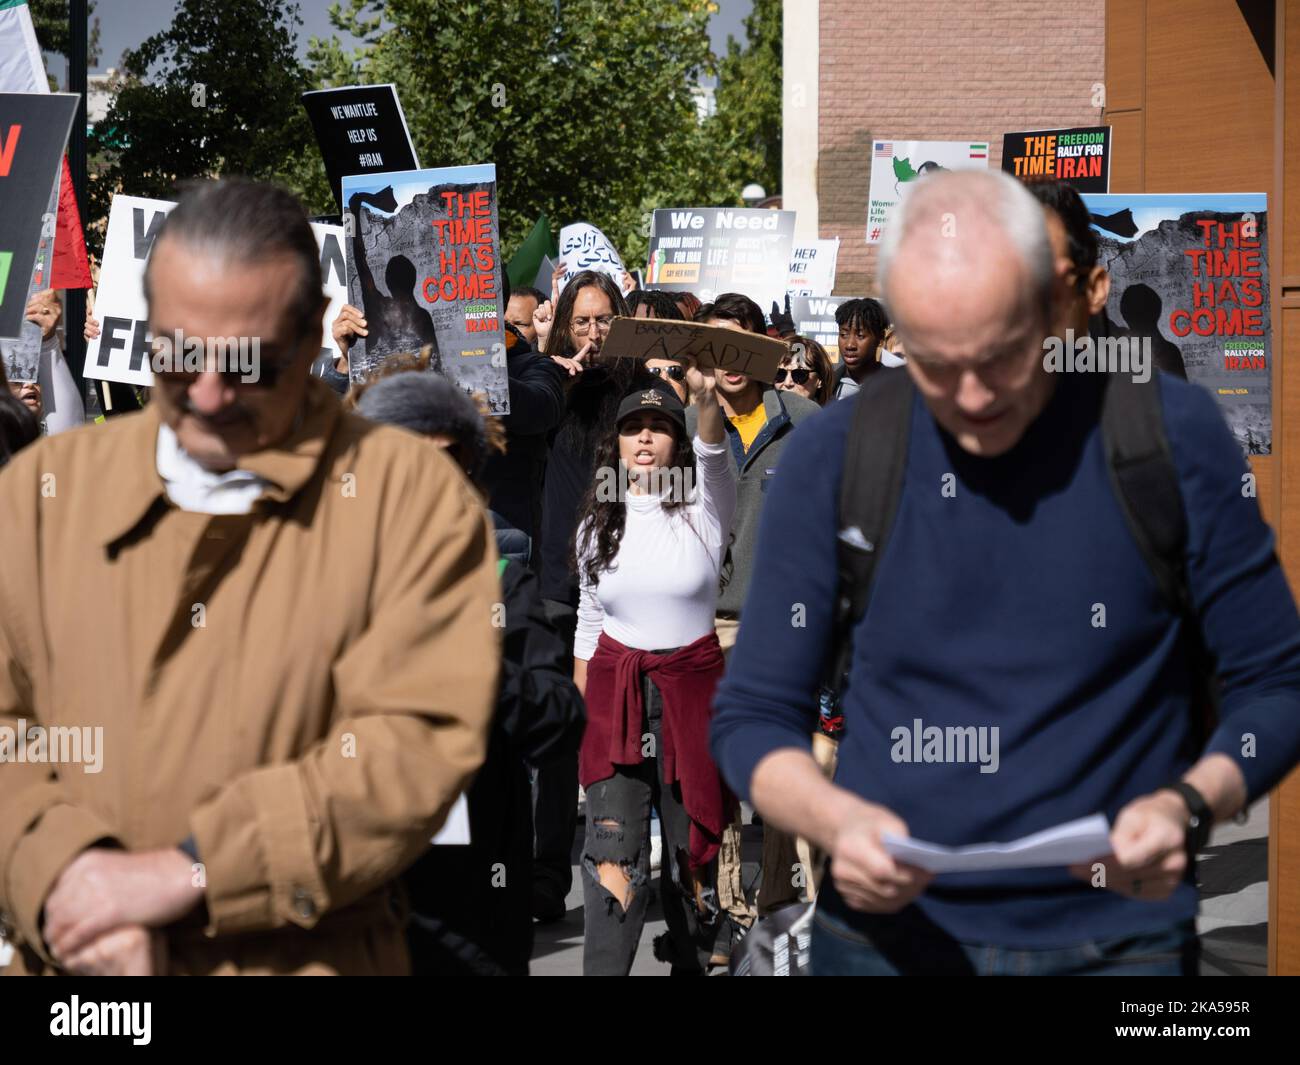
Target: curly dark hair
<point>603,519</point>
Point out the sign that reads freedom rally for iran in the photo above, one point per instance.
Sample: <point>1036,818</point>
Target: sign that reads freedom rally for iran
<point>1078,156</point>
<point>712,250</point>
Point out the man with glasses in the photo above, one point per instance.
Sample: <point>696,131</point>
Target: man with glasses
<point>270,618</point>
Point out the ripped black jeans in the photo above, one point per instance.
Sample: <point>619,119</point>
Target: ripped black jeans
<point>618,830</point>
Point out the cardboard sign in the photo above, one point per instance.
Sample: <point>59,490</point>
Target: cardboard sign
<point>121,351</point>
<point>34,129</point>
<point>894,164</point>
<point>584,247</point>
<point>1190,274</point>
<point>711,346</point>
<point>361,129</point>
<point>1079,156</point>
<point>713,250</point>
<point>424,267</point>
<point>812,268</point>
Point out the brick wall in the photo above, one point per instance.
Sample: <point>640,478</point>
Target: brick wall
<point>941,70</point>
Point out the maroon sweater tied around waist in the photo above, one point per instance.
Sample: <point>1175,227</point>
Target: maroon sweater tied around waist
<point>616,728</point>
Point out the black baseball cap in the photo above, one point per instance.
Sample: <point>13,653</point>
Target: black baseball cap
<point>659,400</point>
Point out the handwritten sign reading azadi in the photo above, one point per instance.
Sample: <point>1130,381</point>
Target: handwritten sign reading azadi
<point>710,346</point>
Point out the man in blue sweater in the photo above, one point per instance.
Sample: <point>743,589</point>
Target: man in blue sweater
<point>1011,598</point>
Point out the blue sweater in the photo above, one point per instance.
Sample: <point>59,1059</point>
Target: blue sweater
<point>985,612</point>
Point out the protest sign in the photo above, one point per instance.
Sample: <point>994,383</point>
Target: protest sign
<point>424,267</point>
<point>713,250</point>
<point>22,357</point>
<point>1189,275</point>
<point>361,129</point>
<point>584,247</point>
<point>814,317</point>
<point>712,346</point>
<point>122,349</point>
<point>812,268</point>
<point>334,279</point>
<point>1079,156</point>
<point>895,164</point>
<point>34,128</point>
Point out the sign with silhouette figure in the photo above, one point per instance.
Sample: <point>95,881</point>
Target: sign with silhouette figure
<point>1189,273</point>
<point>894,164</point>
<point>424,267</point>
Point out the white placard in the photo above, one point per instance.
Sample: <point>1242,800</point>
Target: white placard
<point>895,164</point>
<point>812,268</point>
<point>121,351</point>
<point>584,247</point>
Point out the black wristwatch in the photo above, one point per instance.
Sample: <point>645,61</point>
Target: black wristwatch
<point>1201,820</point>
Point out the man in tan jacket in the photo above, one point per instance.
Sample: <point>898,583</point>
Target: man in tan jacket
<point>247,659</point>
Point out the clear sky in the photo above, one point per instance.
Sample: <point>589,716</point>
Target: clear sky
<point>124,24</point>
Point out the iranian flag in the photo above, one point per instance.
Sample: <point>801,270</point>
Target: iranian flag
<point>22,70</point>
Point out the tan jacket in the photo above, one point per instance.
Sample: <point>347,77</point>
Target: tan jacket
<point>304,689</point>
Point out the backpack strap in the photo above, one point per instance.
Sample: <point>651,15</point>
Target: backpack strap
<point>1145,481</point>
<point>875,461</point>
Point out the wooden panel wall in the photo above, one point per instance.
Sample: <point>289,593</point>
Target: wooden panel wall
<point>1173,134</point>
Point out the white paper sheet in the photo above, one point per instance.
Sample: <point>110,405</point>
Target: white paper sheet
<point>1067,844</point>
<point>455,830</point>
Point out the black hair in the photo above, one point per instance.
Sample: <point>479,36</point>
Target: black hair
<point>733,307</point>
<point>658,303</point>
<point>18,425</point>
<point>1068,205</point>
<point>249,221</point>
<point>530,292</point>
<point>866,314</point>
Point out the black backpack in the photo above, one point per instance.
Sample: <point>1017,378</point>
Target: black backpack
<point>1142,474</point>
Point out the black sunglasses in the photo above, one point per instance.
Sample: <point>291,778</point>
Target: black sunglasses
<point>673,373</point>
<point>799,376</point>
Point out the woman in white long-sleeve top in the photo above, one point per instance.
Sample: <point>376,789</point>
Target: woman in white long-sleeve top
<point>651,536</point>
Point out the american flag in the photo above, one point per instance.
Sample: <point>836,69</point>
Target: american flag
<point>884,149</point>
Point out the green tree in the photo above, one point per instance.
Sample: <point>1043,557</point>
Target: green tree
<point>217,92</point>
<point>53,33</point>
<point>584,106</point>
<point>747,126</point>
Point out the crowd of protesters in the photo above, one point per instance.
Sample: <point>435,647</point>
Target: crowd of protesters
<point>359,649</point>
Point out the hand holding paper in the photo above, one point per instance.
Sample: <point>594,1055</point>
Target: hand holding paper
<point>1067,844</point>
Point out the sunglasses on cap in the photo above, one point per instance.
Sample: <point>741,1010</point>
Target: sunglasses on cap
<point>673,373</point>
<point>799,376</point>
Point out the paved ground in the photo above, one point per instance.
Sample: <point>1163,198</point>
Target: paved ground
<point>1233,924</point>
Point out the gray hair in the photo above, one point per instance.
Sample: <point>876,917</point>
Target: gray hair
<point>246,221</point>
<point>428,403</point>
<point>988,194</point>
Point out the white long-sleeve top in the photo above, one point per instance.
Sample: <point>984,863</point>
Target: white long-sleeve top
<point>663,588</point>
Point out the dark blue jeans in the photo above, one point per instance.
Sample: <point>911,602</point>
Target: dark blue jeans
<point>907,944</point>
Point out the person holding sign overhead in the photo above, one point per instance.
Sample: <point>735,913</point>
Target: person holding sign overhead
<point>652,531</point>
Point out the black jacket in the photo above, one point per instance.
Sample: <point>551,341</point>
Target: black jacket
<point>472,905</point>
<point>514,480</point>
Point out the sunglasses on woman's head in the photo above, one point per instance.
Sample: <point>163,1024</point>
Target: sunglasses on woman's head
<point>798,376</point>
<point>673,373</point>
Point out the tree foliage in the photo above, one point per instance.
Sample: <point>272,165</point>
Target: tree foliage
<point>747,126</point>
<point>584,106</point>
<point>53,32</point>
<point>217,92</point>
